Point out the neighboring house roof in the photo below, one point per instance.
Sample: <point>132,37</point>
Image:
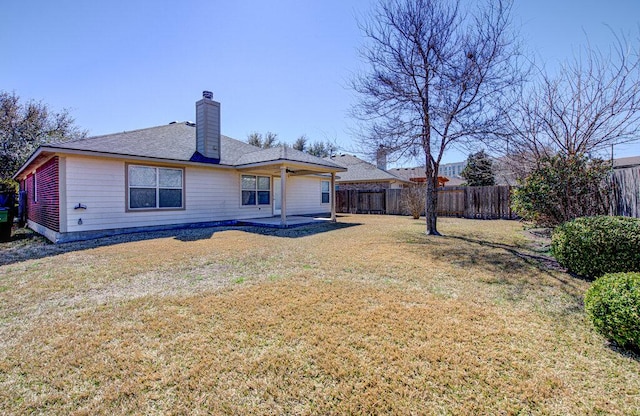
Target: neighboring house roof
<point>360,171</point>
<point>177,142</point>
<point>411,174</point>
<point>626,162</point>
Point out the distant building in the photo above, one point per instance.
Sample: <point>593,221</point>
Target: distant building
<point>452,170</point>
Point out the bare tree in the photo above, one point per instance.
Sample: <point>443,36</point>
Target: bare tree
<point>589,105</point>
<point>437,77</point>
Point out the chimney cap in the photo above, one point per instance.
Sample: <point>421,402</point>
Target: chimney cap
<point>207,94</point>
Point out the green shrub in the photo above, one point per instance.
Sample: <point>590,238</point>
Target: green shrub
<point>593,246</point>
<point>8,185</point>
<point>613,304</point>
<point>562,188</point>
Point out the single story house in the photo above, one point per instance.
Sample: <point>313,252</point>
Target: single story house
<point>179,174</point>
<point>364,176</point>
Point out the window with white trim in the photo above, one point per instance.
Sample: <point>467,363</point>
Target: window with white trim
<point>256,190</point>
<point>35,186</point>
<point>155,188</point>
<point>325,191</point>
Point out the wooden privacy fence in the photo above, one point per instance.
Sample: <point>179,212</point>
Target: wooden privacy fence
<point>462,201</point>
<point>486,202</point>
<point>626,192</point>
<point>482,201</point>
<point>361,202</point>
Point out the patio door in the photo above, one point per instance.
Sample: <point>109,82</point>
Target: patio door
<point>277,196</point>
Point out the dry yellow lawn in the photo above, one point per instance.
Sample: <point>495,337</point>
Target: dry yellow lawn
<point>368,316</point>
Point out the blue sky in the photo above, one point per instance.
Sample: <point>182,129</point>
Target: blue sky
<point>280,66</point>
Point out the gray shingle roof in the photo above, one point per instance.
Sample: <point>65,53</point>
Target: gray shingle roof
<point>177,142</point>
<point>420,172</point>
<point>172,141</point>
<point>359,170</point>
<point>408,173</point>
<point>282,153</point>
<point>623,162</point>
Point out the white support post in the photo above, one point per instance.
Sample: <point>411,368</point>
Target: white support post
<point>283,196</point>
<point>333,197</point>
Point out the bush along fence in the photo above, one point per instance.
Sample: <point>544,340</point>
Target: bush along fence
<point>486,202</point>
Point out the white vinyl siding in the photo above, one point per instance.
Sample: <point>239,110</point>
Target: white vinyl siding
<point>303,196</point>
<point>209,195</point>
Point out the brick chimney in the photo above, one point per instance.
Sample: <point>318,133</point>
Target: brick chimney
<point>208,126</point>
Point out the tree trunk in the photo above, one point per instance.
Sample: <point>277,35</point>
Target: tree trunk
<point>431,215</point>
<point>431,202</point>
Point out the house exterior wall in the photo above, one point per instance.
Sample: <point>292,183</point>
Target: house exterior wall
<point>304,195</point>
<point>43,201</point>
<point>100,185</point>
<point>95,189</point>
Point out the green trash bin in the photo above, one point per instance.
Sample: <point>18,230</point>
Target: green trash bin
<point>6,214</point>
<point>6,221</point>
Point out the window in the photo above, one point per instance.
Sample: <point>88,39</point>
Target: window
<point>256,190</point>
<point>151,188</point>
<point>325,187</point>
<point>35,187</point>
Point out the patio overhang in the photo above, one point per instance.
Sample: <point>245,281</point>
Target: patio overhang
<point>287,168</point>
<point>293,168</point>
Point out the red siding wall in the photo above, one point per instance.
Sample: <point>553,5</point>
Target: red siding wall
<point>44,208</point>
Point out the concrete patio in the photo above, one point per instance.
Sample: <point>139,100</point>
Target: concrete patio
<point>292,221</point>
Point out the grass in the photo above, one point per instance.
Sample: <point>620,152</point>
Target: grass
<point>368,316</point>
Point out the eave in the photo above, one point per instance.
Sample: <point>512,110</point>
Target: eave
<point>49,151</point>
<point>295,167</point>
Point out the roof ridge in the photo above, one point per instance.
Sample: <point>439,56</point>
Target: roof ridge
<point>101,136</point>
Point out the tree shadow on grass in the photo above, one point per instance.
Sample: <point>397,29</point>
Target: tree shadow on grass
<point>512,261</point>
<point>508,265</point>
<point>28,245</point>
